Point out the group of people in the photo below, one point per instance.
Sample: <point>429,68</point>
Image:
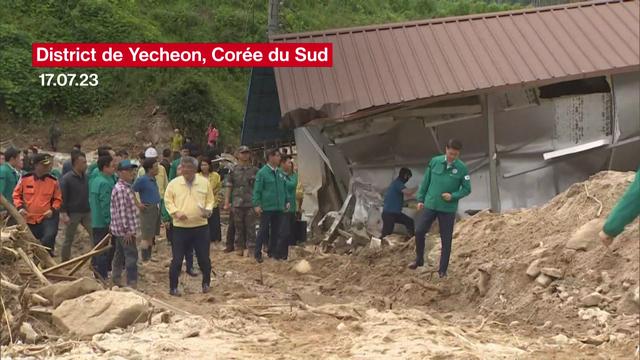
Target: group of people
<point>116,196</point>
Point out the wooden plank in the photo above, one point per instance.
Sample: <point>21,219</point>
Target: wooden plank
<point>332,230</point>
<point>33,267</point>
<point>105,240</point>
<point>77,259</point>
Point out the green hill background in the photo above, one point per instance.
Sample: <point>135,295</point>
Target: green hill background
<point>190,97</point>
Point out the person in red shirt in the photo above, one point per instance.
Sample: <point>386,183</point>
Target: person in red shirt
<point>38,198</point>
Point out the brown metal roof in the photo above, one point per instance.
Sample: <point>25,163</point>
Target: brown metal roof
<point>376,66</point>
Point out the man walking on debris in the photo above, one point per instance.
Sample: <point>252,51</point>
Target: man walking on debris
<point>239,183</point>
<point>37,196</point>
<point>189,200</point>
<point>75,208</point>
<point>270,200</point>
<point>625,211</point>
<point>100,189</point>
<point>125,225</point>
<point>393,202</point>
<point>446,181</point>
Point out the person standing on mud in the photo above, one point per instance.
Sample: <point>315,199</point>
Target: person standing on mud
<point>37,197</point>
<point>75,208</point>
<point>239,184</point>
<point>147,188</point>
<point>393,202</point>
<point>625,211</point>
<point>54,134</point>
<point>100,188</point>
<point>125,225</point>
<point>270,201</point>
<point>446,181</point>
<point>189,201</point>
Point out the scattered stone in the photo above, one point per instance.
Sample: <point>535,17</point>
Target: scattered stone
<point>558,327</point>
<point>65,290</point>
<point>302,267</point>
<point>599,315</point>
<point>617,337</point>
<point>191,334</point>
<point>483,282</point>
<point>563,295</point>
<point>162,318</point>
<point>628,305</point>
<point>586,236</point>
<point>375,243</point>
<point>593,299</point>
<point>100,312</point>
<point>552,272</point>
<point>625,285</point>
<point>547,324</point>
<point>596,340</point>
<point>534,268</point>
<point>407,287</point>
<point>603,289</point>
<point>341,326</point>
<point>30,335</point>
<point>560,339</point>
<point>514,323</point>
<point>544,280</point>
<point>606,279</point>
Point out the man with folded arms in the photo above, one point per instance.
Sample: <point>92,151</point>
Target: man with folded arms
<point>75,208</point>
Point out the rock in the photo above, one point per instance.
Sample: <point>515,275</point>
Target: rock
<point>628,305</point>
<point>341,326</point>
<point>162,318</point>
<point>552,272</point>
<point>599,315</point>
<point>30,335</point>
<point>558,327</point>
<point>375,243</point>
<point>625,285</point>
<point>65,290</point>
<point>302,267</point>
<point>514,323</point>
<point>483,282</point>
<point>596,340</point>
<point>534,268</point>
<point>606,279</point>
<point>593,299</point>
<point>603,289</point>
<point>100,312</point>
<point>560,339</point>
<point>585,236</point>
<point>563,295</point>
<point>544,280</point>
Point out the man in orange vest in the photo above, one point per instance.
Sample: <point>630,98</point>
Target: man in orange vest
<point>38,198</point>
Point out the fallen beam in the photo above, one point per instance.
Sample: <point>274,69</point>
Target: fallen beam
<point>77,259</point>
<point>105,240</point>
<point>33,267</point>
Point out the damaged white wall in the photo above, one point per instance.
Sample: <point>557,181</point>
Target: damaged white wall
<point>524,132</point>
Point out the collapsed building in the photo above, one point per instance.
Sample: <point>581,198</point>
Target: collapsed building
<point>541,98</point>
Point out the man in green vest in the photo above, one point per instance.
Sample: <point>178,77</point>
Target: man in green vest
<point>625,211</point>
<point>446,181</point>
<point>270,200</point>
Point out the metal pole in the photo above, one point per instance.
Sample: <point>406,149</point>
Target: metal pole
<point>273,26</point>
<point>488,108</point>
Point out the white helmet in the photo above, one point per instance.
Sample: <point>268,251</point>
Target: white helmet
<point>151,153</point>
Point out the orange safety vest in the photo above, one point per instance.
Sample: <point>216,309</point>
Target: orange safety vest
<point>37,196</point>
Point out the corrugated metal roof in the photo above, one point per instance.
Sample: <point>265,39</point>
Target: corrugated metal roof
<point>381,65</point>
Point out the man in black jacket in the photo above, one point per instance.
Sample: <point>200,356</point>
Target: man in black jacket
<point>75,202</point>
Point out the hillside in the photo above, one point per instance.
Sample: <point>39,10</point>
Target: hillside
<point>191,97</point>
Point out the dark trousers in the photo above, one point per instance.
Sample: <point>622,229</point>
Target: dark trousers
<point>100,262</point>
<point>390,219</point>
<point>188,256</point>
<point>445,221</point>
<point>215,231</point>
<point>183,238</point>
<point>231,232</point>
<point>286,232</point>
<point>270,224</point>
<point>46,231</point>
<point>126,256</point>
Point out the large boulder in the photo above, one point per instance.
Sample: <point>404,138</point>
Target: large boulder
<point>65,290</point>
<point>100,312</point>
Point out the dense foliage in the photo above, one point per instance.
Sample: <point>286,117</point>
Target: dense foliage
<point>193,97</point>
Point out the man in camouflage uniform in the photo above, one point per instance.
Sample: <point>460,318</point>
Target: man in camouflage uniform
<point>239,185</point>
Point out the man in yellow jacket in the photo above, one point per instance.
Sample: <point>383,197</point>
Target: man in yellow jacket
<point>190,202</point>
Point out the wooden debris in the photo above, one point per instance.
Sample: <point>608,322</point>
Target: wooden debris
<point>105,240</point>
<point>33,267</point>
<point>77,259</point>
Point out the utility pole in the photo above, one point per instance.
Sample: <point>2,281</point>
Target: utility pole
<point>273,26</point>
